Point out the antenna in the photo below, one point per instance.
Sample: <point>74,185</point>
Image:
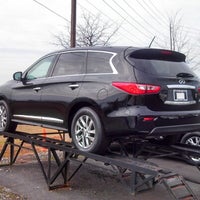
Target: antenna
<point>152,41</point>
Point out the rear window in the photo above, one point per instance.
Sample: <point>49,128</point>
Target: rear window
<point>161,68</point>
<point>160,62</point>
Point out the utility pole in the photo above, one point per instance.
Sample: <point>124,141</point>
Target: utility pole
<point>170,34</point>
<point>73,24</point>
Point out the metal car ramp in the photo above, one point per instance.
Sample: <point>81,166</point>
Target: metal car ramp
<point>137,173</point>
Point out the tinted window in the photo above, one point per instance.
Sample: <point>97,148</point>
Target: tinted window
<point>40,69</point>
<point>161,68</point>
<point>70,63</point>
<point>99,62</point>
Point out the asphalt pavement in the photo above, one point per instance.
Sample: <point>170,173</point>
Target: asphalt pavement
<point>92,182</point>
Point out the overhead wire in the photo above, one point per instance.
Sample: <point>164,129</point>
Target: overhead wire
<point>191,29</point>
<point>52,11</point>
<point>121,27</point>
<point>141,17</point>
<point>146,30</point>
<point>157,11</point>
<point>155,18</point>
<point>132,18</point>
<point>127,22</point>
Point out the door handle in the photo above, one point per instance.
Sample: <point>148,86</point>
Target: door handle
<point>73,86</point>
<point>37,89</point>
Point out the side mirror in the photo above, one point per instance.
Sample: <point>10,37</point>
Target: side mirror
<point>17,76</point>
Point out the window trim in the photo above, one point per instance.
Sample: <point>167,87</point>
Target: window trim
<point>114,71</point>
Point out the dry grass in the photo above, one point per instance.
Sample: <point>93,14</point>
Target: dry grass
<point>7,194</point>
<point>32,130</point>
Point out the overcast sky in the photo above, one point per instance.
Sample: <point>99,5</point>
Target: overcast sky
<point>27,28</point>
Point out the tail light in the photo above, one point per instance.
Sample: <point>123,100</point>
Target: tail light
<point>137,89</point>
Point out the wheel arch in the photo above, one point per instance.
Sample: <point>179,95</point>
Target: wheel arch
<point>80,104</point>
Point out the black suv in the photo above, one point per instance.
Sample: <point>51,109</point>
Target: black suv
<point>97,94</point>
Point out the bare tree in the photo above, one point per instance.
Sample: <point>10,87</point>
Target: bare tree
<point>93,31</point>
<point>179,39</point>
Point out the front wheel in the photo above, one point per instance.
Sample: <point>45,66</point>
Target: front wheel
<point>5,119</point>
<point>87,131</point>
<point>192,139</point>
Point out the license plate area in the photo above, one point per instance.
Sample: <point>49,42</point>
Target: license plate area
<point>180,95</point>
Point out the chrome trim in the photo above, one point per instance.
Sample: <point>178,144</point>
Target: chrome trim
<point>111,64</point>
<point>95,51</point>
<point>73,86</point>
<point>51,119</point>
<point>48,119</point>
<point>179,103</point>
<point>110,61</point>
<point>181,86</point>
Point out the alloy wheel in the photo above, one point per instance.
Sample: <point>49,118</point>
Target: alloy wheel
<point>3,117</point>
<point>85,131</point>
<point>195,141</point>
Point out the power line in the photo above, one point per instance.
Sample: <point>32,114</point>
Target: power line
<point>158,11</point>
<point>126,21</point>
<point>194,29</point>
<point>150,25</point>
<point>132,18</point>
<point>144,33</point>
<point>100,11</point>
<point>156,19</point>
<point>51,10</point>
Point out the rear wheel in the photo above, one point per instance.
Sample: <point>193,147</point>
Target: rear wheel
<point>87,131</point>
<point>192,139</point>
<point>5,119</point>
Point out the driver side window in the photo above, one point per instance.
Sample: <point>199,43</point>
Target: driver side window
<point>40,70</point>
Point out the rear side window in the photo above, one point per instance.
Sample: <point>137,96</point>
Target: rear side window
<point>70,64</point>
<point>160,62</point>
<point>98,62</point>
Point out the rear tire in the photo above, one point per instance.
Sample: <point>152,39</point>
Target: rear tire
<point>87,131</point>
<point>192,139</point>
<point>5,118</point>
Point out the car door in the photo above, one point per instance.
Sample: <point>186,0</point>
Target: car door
<point>62,88</point>
<point>26,94</point>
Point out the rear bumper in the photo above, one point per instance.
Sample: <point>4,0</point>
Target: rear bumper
<point>163,122</point>
<point>144,111</point>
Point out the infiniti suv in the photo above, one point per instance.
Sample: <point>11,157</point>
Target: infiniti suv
<point>100,93</point>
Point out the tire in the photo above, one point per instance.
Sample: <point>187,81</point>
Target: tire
<point>5,119</point>
<point>87,131</point>
<point>192,139</point>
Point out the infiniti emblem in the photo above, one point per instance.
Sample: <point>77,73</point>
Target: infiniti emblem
<point>181,81</point>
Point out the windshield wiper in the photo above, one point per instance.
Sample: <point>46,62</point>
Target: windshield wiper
<point>184,75</point>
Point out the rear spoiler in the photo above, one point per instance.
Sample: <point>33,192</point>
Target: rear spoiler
<point>157,54</point>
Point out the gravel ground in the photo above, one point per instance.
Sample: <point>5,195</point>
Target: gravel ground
<point>7,194</point>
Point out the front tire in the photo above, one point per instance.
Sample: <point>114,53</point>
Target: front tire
<point>87,131</point>
<point>5,119</point>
